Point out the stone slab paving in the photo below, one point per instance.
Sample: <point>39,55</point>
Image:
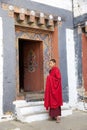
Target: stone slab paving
<point>76,121</point>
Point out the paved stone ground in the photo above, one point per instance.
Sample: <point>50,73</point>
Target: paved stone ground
<point>76,121</point>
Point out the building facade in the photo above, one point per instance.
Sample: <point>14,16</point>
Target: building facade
<point>31,33</point>
<point>80,37</point>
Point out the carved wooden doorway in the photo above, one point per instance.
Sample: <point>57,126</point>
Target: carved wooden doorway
<point>31,77</point>
<point>40,45</point>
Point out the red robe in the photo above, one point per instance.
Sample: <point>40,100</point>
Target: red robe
<point>53,90</point>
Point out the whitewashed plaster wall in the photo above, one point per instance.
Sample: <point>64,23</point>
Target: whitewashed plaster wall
<point>71,67</point>
<point>64,4</point>
<point>1,67</point>
<point>79,7</point>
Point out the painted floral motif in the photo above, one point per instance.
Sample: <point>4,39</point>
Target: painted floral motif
<point>31,61</point>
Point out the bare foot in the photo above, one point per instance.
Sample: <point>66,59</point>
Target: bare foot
<point>58,119</point>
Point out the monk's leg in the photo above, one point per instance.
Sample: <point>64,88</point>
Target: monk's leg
<point>55,113</point>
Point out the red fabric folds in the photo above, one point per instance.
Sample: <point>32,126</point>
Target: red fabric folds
<point>53,90</point>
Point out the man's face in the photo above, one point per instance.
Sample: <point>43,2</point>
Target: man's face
<point>51,64</point>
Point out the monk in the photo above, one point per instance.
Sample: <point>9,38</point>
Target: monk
<point>53,92</point>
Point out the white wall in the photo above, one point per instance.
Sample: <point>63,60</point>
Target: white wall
<point>64,4</point>
<point>1,67</point>
<point>71,67</point>
<point>80,7</point>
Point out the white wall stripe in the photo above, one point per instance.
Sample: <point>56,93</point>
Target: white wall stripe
<point>64,4</point>
<point>1,67</point>
<point>71,69</point>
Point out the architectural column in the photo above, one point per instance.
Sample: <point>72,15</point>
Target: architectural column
<point>71,67</point>
<point>1,67</point>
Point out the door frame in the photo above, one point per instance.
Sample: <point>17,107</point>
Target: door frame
<point>22,94</point>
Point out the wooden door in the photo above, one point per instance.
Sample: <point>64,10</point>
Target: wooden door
<point>33,66</point>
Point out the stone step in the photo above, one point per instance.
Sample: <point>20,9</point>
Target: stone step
<point>35,111</point>
<point>31,109</point>
<point>24,103</point>
<point>34,117</point>
<point>40,116</point>
<point>34,97</point>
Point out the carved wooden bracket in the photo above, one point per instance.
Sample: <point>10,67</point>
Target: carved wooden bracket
<point>21,17</point>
